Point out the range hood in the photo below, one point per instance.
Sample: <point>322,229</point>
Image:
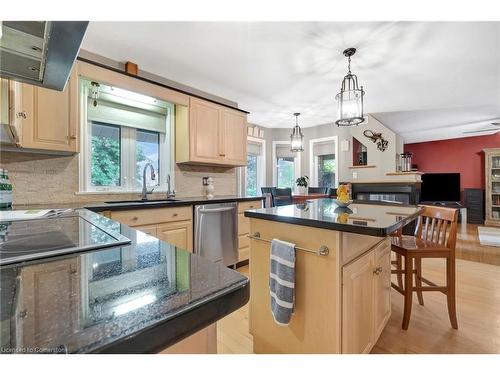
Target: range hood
<point>40,53</point>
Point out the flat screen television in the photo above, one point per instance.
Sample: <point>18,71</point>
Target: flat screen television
<point>440,187</point>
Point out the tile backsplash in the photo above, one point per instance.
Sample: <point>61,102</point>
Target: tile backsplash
<point>39,179</point>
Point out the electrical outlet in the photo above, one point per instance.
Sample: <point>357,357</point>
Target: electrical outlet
<point>204,181</point>
<point>354,174</point>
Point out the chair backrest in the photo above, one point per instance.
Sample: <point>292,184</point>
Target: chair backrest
<point>438,225</point>
<point>282,196</point>
<point>267,192</point>
<point>320,190</point>
<point>332,192</point>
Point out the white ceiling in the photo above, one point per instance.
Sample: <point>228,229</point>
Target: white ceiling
<point>424,80</point>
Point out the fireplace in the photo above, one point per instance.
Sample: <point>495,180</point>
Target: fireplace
<point>390,192</point>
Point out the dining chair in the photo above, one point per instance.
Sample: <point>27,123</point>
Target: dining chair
<point>282,196</point>
<point>320,190</point>
<point>267,192</point>
<point>435,237</point>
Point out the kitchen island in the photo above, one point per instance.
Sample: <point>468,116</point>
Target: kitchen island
<point>147,296</point>
<point>342,275</point>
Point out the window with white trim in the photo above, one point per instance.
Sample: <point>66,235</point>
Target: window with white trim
<point>286,165</point>
<point>324,162</point>
<point>121,132</point>
<point>253,176</point>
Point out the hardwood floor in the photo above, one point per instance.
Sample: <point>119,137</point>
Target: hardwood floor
<point>478,309</point>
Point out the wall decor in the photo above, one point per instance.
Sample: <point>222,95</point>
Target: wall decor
<point>377,138</point>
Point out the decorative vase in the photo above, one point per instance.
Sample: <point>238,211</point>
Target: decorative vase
<point>302,190</point>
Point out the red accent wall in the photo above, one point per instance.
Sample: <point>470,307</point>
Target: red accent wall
<point>463,155</point>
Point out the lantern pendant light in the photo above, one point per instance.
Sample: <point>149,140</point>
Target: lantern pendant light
<point>296,138</point>
<point>350,97</point>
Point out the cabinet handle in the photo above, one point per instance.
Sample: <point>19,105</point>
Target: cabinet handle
<point>71,136</point>
<point>135,218</point>
<point>22,114</point>
<point>23,314</point>
<point>378,270</point>
<point>174,215</point>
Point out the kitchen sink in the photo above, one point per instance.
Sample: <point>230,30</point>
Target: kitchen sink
<point>166,200</point>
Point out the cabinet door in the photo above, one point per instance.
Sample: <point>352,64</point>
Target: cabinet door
<point>357,305</point>
<point>205,120</point>
<point>382,284</point>
<point>50,303</point>
<point>51,121</point>
<point>178,233</point>
<point>235,137</point>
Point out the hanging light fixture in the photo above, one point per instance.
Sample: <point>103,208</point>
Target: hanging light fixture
<point>350,97</point>
<point>296,138</point>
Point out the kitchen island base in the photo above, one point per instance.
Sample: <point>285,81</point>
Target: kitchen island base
<point>342,299</point>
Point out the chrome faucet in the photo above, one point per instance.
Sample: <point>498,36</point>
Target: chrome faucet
<point>170,193</point>
<point>145,191</point>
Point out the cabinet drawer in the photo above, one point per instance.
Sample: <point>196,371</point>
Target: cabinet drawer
<point>243,241</point>
<point>243,254</point>
<point>152,215</point>
<point>243,224</point>
<point>242,206</point>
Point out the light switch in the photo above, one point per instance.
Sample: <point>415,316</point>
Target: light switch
<point>354,174</point>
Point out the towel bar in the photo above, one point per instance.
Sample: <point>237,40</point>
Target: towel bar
<point>323,250</point>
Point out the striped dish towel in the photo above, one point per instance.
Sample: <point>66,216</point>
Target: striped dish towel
<point>282,281</point>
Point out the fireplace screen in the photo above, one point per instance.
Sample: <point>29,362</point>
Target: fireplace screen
<point>401,198</point>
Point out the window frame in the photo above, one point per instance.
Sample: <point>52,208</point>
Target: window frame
<point>313,161</point>
<point>261,169</point>
<point>297,163</point>
<point>127,154</point>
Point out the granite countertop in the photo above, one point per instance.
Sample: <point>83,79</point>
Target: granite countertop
<point>136,298</point>
<point>118,204</point>
<point>363,218</point>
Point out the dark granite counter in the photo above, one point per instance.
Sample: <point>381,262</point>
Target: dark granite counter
<point>137,298</point>
<point>118,204</point>
<point>370,219</point>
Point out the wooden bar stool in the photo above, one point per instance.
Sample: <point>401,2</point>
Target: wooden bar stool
<point>435,237</point>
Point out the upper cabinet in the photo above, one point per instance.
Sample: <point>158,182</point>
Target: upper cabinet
<point>210,134</point>
<point>45,119</point>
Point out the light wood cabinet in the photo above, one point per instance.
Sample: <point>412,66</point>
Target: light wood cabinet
<point>46,119</point>
<point>178,233</point>
<point>382,291</point>
<point>244,228</point>
<point>172,225</point>
<point>366,299</point>
<point>49,303</point>
<point>357,305</point>
<point>210,134</point>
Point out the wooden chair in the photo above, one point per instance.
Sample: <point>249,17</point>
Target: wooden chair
<point>435,237</point>
<point>320,190</point>
<point>282,196</point>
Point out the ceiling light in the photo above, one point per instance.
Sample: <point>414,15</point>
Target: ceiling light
<point>350,97</point>
<point>296,138</point>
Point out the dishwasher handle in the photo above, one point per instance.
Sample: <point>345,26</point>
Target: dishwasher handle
<point>214,210</point>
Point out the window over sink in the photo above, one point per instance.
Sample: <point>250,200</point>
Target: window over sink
<point>122,131</point>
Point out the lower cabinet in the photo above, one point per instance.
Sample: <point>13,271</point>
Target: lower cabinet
<point>366,299</point>
<point>173,225</point>
<point>244,228</point>
<point>178,233</point>
<point>48,303</point>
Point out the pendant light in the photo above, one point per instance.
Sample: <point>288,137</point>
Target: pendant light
<point>350,97</point>
<point>296,138</point>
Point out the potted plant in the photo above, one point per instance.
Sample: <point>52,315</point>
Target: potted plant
<point>302,183</point>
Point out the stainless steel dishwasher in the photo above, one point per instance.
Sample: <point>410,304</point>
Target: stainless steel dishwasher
<point>216,232</point>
